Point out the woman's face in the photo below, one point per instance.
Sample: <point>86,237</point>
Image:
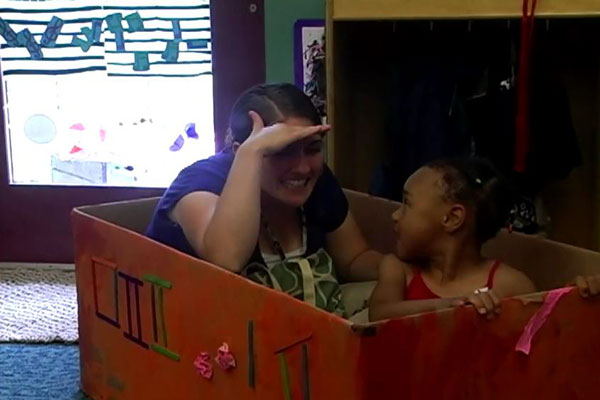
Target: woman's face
<point>289,176</point>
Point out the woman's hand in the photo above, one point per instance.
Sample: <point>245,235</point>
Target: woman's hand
<point>588,285</point>
<point>274,138</point>
<point>485,301</point>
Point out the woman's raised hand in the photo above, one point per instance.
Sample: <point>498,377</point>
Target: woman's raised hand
<point>271,139</point>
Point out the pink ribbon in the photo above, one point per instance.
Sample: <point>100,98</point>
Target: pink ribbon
<point>203,366</point>
<point>539,318</point>
<point>225,358</point>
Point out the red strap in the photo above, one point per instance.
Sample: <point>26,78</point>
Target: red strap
<point>523,87</point>
<point>490,281</point>
<point>417,289</point>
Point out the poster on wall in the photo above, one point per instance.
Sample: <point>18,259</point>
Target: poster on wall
<point>309,60</point>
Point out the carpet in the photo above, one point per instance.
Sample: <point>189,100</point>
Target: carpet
<point>38,305</point>
<point>39,372</point>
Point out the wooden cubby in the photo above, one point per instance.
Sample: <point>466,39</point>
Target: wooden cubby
<point>362,10</point>
<point>360,35</point>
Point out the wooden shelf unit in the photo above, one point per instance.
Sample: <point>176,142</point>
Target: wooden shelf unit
<point>359,35</point>
<point>352,10</point>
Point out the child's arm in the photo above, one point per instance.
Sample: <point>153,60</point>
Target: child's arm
<point>510,282</point>
<point>387,299</point>
<point>410,307</point>
<point>588,285</point>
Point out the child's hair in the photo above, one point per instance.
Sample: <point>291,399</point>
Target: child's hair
<point>274,103</point>
<point>476,183</point>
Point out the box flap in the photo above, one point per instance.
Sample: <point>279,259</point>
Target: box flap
<point>134,215</point>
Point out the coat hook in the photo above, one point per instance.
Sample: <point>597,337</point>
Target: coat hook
<point>547,25</point>
<point>508,24</point>
<point>431,26</point>
<point>469,26</point>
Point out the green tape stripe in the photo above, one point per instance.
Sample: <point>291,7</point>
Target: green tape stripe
<point>161,314</point>
<point>285,377</point>
<point>158,281</point>
<point>158,314</point>
<point>165,352</point>
<point>251,366</point>
<point>305,373</point>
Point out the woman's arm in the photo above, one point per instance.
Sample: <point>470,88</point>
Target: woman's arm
<point>352,257</point>
<point>387,300</point>
<point>224,229</point>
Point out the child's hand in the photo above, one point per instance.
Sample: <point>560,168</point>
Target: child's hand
<point>588,285</point>
<point>485,301</point>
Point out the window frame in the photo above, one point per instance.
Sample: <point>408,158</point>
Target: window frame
<point>35,220</point>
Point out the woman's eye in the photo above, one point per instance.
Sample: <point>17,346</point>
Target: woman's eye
<point>285,152</point>
<point>314,148</point>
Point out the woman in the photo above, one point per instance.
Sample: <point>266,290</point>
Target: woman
<point>268,207</point>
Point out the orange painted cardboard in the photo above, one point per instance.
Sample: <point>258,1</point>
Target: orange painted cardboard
<point>147,311</point>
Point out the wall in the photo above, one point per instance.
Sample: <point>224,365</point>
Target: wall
<point>280,16</point>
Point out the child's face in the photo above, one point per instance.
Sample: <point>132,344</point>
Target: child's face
<point>419,221</point>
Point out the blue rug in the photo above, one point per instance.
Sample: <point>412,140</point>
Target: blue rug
<point>39,372</point>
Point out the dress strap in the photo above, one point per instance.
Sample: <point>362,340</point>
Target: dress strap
<point>417,289</point>
<point>490,281</point>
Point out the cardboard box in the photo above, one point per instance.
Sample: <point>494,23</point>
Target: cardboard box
<point>147,311</point>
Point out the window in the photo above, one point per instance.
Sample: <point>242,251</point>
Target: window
<point>105,93</point>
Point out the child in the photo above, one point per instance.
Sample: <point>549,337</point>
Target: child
<point>450,208</point>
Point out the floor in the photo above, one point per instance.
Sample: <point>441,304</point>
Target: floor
<point>39,372</point>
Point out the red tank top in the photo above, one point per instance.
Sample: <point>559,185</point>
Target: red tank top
<point>417,289</point>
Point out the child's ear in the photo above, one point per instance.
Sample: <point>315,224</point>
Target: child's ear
<point>454,218</point>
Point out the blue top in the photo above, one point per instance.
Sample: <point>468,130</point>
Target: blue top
<point>325,210</point>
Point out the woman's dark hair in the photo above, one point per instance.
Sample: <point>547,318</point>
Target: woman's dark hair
<point>274,103</point>
<point>476,182</point>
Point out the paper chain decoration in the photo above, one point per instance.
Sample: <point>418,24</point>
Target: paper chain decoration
<point>91,36</point>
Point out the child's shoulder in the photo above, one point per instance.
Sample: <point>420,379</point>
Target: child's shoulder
<point>392,268</point>
<point>510,281</point>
